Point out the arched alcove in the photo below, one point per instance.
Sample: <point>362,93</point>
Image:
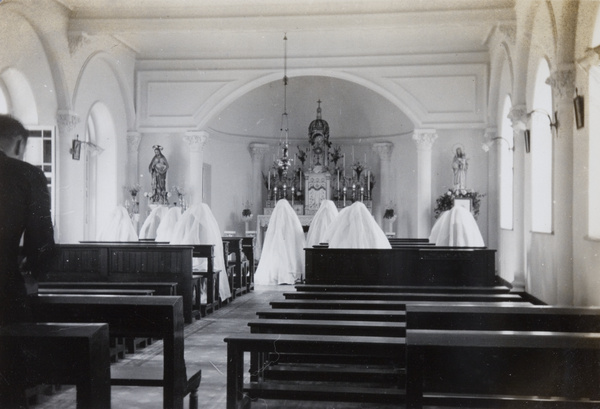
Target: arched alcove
<point>20,96</point>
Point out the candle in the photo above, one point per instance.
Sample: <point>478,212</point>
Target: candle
<point>292,195</point>
<point>368,183</point>
<point>269,180</point>
<point>338,179</point>
<point>344,157</point>
<point>352,153</point>
<point>365,159</point>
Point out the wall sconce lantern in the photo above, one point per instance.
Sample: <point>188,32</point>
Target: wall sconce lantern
<point>487,145</point>
<point>579,110</point>
<point>527,136</point>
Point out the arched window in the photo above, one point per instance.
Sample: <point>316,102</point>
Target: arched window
<point>541,152</point>
<point>594,154</point>
<point>506,167</point>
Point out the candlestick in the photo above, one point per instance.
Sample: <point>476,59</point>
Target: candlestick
<point>292,195</point>
<point>352,154</point>
<point>344,157</point>
<point>269,180</point>
<point>362,193</point>
<point>338,172</point>
<point>368,183</point>
<point>344,196</point>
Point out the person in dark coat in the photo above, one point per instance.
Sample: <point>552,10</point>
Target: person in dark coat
<point>25,220</point>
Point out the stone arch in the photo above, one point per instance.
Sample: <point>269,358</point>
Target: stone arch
<point>126,95</point>
<point>402,100</point>
<point>20,98</point>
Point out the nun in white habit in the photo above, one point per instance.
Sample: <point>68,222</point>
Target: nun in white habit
<point>318,226</point>
<point>282,257</point>
<point>167,225</point>
<point>457,228</point>
<point>148,230</point>
<point>355,228</point>
<point>119,228</point>
<point>199,226</point>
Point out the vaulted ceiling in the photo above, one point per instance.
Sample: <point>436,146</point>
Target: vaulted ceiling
<point>336,34</point>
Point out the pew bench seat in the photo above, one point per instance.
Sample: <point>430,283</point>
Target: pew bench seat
<point>153,376</point>
<point>160,288</point>
<point>331,314</point>
<point>378,304</point>
<point>499,289</point>
<point>95,291</point>
<point>407,296</point>
<point>240,394</point>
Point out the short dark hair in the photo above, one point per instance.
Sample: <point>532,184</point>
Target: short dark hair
<point>11,127</point>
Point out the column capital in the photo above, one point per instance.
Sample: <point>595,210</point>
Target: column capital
<point>591,57</point>
<point>258,150</point>
<point>384,150</point>
<point>562,81</point>
<point>67,120</point>
<point>518,117</point>
<point>133,140</point>
<point>424,138</point>
<point>196,140</point>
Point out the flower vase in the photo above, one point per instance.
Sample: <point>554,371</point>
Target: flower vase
<point>390,222</point>
<point>246,220</point>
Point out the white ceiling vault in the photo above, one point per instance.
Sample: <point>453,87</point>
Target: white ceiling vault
<point>413,63</point>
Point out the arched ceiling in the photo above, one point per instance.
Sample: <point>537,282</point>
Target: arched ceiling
<point>352,111</point>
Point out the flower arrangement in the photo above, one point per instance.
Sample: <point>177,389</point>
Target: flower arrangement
<point>301,155</point>
<point>133,190</point>
<point>336,155</point>
<point>389,214</point>
<point>247,213</point>
<point>446,201</point>
<point>179,190</point>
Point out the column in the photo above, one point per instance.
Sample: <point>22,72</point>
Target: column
<point>196,141</point>
<point>493,202</point>
<point>424,139</point>
<point>257,153</point>
<point>133,145</point>
<point>518,117</point>
<point>562,81</point>
<point>384,151</point>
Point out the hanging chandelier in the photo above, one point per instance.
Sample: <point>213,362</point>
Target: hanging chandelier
<point>284,162</point>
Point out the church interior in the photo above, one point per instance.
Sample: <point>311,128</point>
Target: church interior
<point>221,108</point>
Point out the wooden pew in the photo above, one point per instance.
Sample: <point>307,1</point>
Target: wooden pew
<point>95,291</point>
<point>159,317</point>
<point>158,288</point>
<point>331,314</point>
<point>69,354</point>
<point>519,318</point>
<point>375,304</point>
<point>502,369</point>
<point>211,276</point>
<point>128,262</point>
<point>370,300</point>
<point>239,278</point>
<point>413,266</point>
<point>579,320</point>
<point>248,244</point>
<point>240,394</point>
<point>499,289</point>
<point>328,327</point>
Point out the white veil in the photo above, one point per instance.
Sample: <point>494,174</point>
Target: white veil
<point>165,229</point>
<point>456,227</point>
<point>356,228</point>
<point>148,230</point>
<point>119,228</point>
<point>282,258</point>
<point>198,225</point>
<point>318,226</point>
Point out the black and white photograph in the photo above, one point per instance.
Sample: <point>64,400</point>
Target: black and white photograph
<point>299,204</point>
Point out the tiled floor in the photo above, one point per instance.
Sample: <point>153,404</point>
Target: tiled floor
<point>204,345</point>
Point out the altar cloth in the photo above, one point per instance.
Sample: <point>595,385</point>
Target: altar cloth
<point>456,228</point>
<point>282,259</point>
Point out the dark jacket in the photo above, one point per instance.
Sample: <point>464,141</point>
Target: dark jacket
<point>24,212</point>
